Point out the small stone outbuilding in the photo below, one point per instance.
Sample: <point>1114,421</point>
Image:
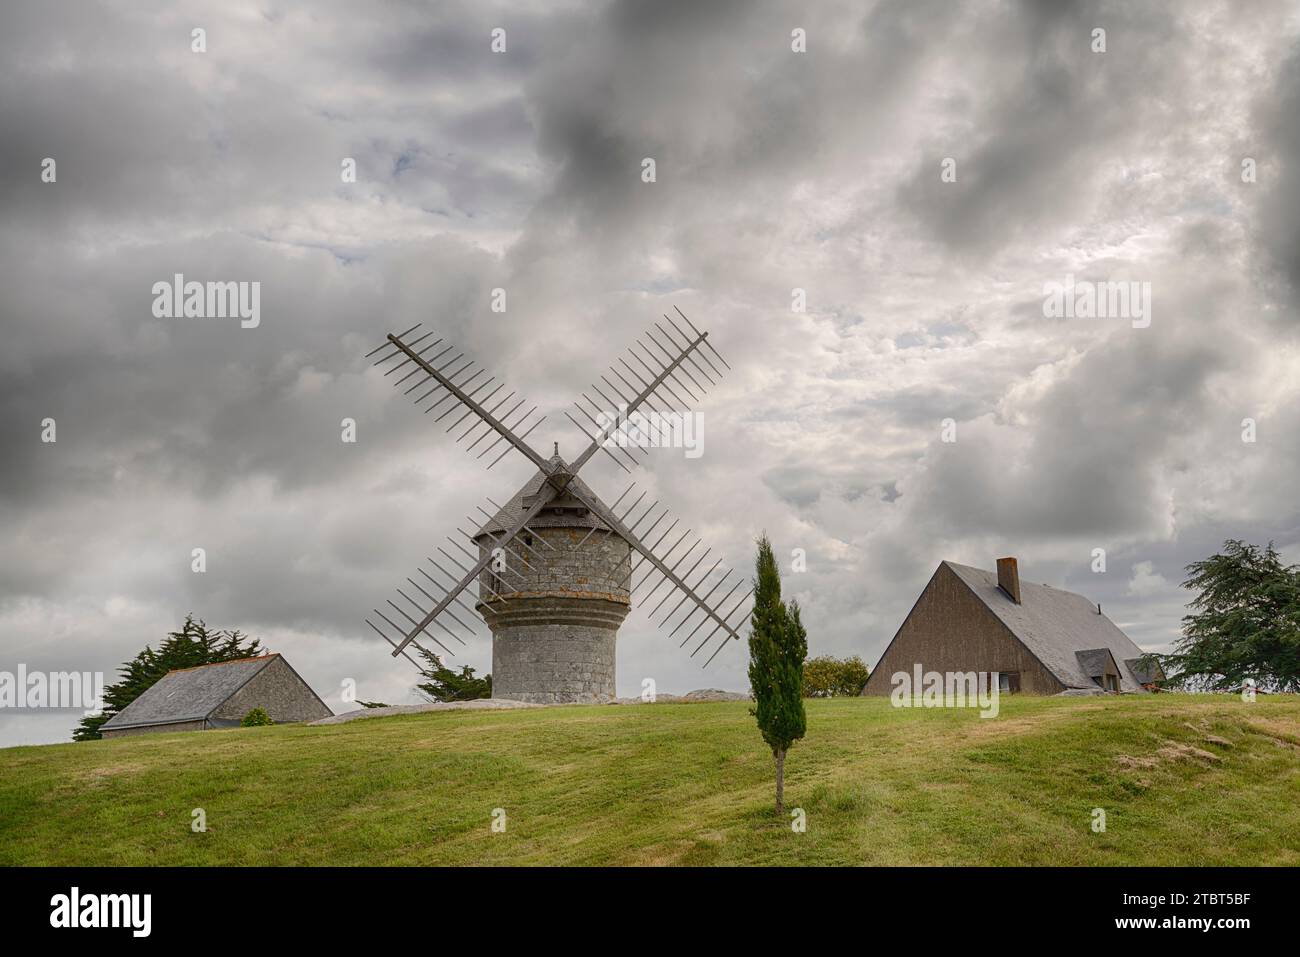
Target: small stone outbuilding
<point>219,696</point>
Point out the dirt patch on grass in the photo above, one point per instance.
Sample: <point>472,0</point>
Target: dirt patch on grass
<point>1284,733</point>
<point>664,855</point>
<point>1168,753</point>
<point>1131,762</point>
<point>105,772</point>
<point>998,727</point>
<point>1202,728</point>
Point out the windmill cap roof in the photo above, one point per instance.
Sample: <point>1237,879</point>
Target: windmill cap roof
<point>508,516</point>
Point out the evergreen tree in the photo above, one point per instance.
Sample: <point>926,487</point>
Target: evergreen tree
<point>1245,623</point>
<point>443,684</point>
<point>190,647</point>
<point>778,645</point>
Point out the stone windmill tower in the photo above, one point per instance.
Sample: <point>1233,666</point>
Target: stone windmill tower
<point>554,623</point>
<point>555,565</point>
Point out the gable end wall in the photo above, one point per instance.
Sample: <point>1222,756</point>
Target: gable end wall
<point>951,629</point>
<point>278,690</point>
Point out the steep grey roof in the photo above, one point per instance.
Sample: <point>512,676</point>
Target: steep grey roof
<point>1145,674</point>
<point>189,694</point>
<point>1093,662</point>
<point>514,510</point>
<point>1054,625</point>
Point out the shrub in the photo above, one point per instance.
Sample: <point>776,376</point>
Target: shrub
<point>827,677</point>
<point>256,718</point>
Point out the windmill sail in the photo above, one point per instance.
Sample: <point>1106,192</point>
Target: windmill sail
<point>454,379</point>
<point>665,368</point>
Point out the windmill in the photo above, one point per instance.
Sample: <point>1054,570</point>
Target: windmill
<point>557,569</point>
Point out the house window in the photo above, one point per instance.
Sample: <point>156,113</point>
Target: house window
<point>1008,682</point>
<point>1112,683</point>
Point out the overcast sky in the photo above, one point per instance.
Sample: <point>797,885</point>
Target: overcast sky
<point>775,170</point>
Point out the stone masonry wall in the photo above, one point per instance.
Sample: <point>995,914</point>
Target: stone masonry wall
<point>277,690</point>
<point>553,636</point>
<point>556,565</point>
<point>556,660</point>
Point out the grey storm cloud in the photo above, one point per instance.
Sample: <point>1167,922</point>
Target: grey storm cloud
<point>1278,139</point>
<point>776,171</point>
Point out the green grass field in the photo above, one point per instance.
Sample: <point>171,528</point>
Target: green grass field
<point>1182,779</point>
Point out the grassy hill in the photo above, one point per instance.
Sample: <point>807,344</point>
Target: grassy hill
<point>1183,780</point>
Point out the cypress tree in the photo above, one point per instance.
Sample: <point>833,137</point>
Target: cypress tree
<point>778,645</point>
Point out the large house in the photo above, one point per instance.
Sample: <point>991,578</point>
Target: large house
<point>1036,638</point>
<point>219,696</point>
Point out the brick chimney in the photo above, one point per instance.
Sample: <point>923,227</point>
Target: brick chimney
<point>1009,578</point>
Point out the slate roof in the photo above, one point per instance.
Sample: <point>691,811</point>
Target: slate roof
<point>1093,662</point>
<point>1055,625</point>
<point>1147,674</point>
<point>514,510</point>
<point>190,694</point>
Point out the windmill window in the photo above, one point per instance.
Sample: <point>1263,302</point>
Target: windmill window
<point>528,539</point>
<point>1008,682</point>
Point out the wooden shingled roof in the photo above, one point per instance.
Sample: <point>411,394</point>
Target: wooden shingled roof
<point>513,510</point>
